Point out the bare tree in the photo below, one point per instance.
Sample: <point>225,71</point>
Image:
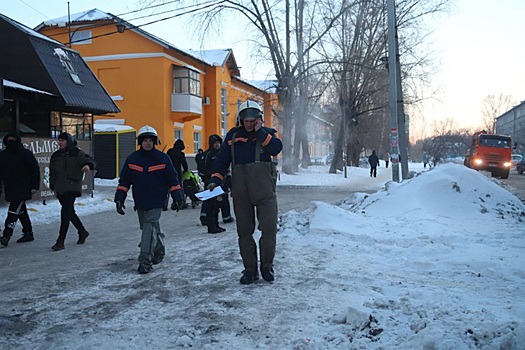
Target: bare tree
<point>492,107</point>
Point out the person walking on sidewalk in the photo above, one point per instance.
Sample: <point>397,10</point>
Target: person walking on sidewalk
<point>374,163</point>
<point>386,158</point>
<point>210,208</point>
<point>249,149</point>
<point>20,175</point>
<point>152,176</point>
<point>178,159</point>
<point>66,171</point>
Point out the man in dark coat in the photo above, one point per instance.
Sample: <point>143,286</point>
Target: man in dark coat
<point>20,174</point>
<point>210,208</point>
<point>66,171</point>
<point>152,176</point>
<point>374,162</point>
<point>178,159</point>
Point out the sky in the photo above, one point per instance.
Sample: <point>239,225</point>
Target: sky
<point>435,262</point>
<point>478,49</point>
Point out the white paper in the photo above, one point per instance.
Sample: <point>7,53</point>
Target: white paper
<point>205,195</point>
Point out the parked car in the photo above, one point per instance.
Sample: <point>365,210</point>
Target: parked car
<point>515,159</point>
<point>520,167</point>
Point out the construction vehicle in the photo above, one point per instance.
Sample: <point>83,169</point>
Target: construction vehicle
<point>490,152</point>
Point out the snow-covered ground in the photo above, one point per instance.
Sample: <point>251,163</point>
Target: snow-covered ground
<point>434,262</point>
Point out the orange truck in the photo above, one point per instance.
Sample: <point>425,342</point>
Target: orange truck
<point>490,152</point>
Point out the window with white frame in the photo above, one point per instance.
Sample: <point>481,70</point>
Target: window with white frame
<point>179,135</point>
<point>223,112</point>
<point>197,141</point>
<point>186,81</point>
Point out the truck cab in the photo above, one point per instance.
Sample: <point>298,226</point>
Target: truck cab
<point>490,152</point>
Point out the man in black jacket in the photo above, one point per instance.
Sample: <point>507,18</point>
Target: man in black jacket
<point>374,162</point>
<point>20,175</point>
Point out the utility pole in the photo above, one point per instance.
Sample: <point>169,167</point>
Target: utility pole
<point>398,139</point>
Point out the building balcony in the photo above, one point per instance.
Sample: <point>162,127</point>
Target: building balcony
<point>186,103</point>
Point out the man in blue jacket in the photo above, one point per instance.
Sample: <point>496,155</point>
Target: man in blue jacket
<point>152,176</point>
<point>249,148</point>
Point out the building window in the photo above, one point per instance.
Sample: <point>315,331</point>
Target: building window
<point>223,112</point>
<point>179,135</point>
<point>186,81</point>
<point>197,141</point>
<point>81,37</point>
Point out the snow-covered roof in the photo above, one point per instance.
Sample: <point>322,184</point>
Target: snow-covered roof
<point>214,58</point>
<point>103,127</point>
<point>28,30</point>
<point>14,85</point>
<point>84,16</point>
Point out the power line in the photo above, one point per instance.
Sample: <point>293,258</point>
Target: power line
<point>152,22</point>
<point>211,3</point>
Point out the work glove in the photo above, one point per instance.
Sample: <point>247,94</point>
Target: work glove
<point>120,208</point>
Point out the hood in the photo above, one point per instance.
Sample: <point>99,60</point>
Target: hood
<point>70,142</point>
<point>214,138</point>
<point>16,144</point>
<point>179,145</point>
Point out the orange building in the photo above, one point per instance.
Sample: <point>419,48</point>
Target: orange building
<point>183,94</point>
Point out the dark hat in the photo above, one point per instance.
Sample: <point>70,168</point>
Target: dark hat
<point>64,136</point>
<point>214,138</point>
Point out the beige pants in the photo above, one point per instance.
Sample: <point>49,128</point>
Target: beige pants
<point>253,191</point>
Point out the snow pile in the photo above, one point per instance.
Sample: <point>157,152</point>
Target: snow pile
<point>435,262</point>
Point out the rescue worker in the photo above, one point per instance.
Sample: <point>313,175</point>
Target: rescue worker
<point>249,149</point>
<point>20,175</point>
<point>152,176</point>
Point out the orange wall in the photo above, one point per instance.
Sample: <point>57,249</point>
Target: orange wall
<point>145,84</point>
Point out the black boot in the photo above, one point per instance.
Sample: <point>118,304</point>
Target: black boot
<point>267,273</point>
<point>82,235</point>
<point>59,245</point>
<point>27,237</point>
<point>144,268</point>
<point>4,240</point>
<point>248,277</point>
<point>215,228</point>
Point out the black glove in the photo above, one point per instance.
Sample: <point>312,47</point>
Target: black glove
<point>120,208</point>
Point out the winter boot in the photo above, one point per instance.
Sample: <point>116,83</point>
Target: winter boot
<point>228,220</point>
<point>82,235</point>
<point>214,228</point>
<point>4,240</point>
<point>267,273</point>
<point>59,245</point>
<point>144,268</point>
<point>248,277</point>
<point>27,237</point>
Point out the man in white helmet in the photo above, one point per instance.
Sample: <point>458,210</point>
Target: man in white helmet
<point>152,176</point>
<point>249,149</point>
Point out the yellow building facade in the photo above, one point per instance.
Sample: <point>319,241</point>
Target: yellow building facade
<point>183,94</point>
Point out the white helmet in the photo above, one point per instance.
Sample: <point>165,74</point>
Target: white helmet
<point>249,109</point>
<point>147,131</point>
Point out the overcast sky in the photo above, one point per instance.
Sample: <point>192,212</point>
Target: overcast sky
<point>479,48</point>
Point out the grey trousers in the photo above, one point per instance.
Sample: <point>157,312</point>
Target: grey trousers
<point>152,242</point>
<point>253,191</point>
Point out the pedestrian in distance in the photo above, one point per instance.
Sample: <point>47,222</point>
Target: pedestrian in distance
<point>249,149</point>
<point>199,160</point>
<point>20,175</point>
<point>373,160</point>
<point>425,160</point>
<point>178,159</point>
<point>152,176</point>
<point>386,158</point>
<point>66,172</point>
